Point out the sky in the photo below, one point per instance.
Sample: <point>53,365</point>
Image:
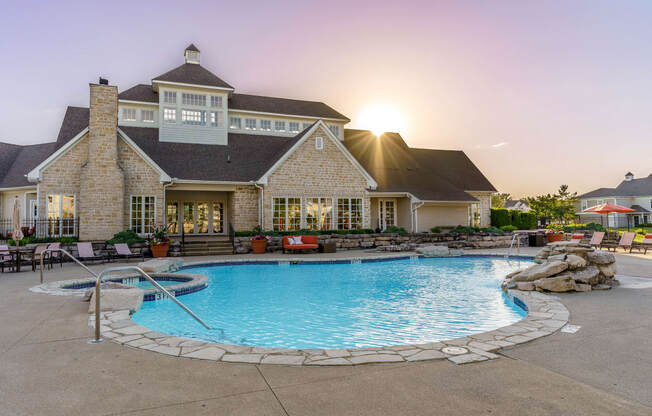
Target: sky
<point>537,93</point>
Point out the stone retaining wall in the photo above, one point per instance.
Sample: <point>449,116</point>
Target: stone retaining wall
<point>387,242</point>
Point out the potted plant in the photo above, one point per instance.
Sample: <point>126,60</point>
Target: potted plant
<point>554,235</point>
<point>259,243</point>
<point>159,242</point>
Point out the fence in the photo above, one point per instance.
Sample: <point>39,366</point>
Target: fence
<point>42,228</point>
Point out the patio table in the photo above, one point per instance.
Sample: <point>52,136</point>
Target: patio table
<point>18,253</point>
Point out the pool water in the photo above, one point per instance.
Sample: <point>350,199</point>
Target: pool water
<point>342,305</point>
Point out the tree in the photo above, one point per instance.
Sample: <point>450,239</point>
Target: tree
<point>498,200</point>
<point>560,206</point>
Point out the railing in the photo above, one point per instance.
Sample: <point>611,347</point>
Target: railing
<point>232,236</point>
<point>515,238</point>
<point>98,337</point>
<point>42,228</point>
<point>98,282</point>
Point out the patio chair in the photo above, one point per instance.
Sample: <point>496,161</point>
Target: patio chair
<point>645,244</point>
<point>596,239</point>
<point>35,256</point>
<point>122,250</point>
<point>85,252</point>
<point>626,242</point>
<point>55,255</point>
<point>6,258</point>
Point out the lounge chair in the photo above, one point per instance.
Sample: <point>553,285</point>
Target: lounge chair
<point>85,252</point>
<point>122,250</point>
<point>645,244</point>
<point>626,242</point>
<point>55,255</point>
<point>596,239</point>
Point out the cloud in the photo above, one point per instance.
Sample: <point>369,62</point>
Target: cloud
<point>501,144</point>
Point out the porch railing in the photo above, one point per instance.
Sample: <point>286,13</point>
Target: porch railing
<point>41,228</point>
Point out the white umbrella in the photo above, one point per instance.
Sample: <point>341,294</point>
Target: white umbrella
<point>18,233</point>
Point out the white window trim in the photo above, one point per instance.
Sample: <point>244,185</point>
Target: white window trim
<point>362,211</point>
<point>304,223</point>
<point>381,224</point>
<point>319,142</point>
<point>287,222</point>
<point>74,211</point>
<point>142,118</point>
<point>131,197</point>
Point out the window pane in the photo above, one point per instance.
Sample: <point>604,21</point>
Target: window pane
<point>343,216</point>
<point>279,125</point>
<point>217,119</point>
<point>294,127</point>
<point>216,101</point>
<point>294,214</point>
<point>170,115</point>
<point>218,217</point>
<point>356,213</point>
<point>193,99</point>
<point>188,217</point>
<point>235,123</point>
<point>279,217</point>
<point>173,217</point>
<point>312,213</point>
<point>129,114</point>
<point>193,117</point>
<point>202,217</point>
<point>136,214</point>
<point>148,214</point>
<point>147,116</point>
<point>266,125</point>
<point>170,97</point>
<point>326,214</point>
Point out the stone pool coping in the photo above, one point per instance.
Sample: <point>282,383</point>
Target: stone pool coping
<point>546,315</point>
<point>194,283</point>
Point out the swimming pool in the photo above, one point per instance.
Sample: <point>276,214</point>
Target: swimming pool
<point>371,304</point>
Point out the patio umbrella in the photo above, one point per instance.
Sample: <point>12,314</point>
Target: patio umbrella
<point>18,233</point>
<point>608,209</point>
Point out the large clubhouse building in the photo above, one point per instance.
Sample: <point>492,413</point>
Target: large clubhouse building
<point>188,152</point>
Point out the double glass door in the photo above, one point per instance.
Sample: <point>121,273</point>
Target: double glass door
<point>196,217</point>
<point>386,213</point>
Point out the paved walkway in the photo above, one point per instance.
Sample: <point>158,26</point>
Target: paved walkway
<point>47,367</point>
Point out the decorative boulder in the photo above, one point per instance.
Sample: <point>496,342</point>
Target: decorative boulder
<point>581,287</point>
<point>434,251</point>
<point>161,265</point>
<point>608,270</point>
<point>589,275</point>
<point>561,283</point>
<point>575,262</point>
<point>118,299</point>
<point>601,257</point>
<point>525,286</point>
<point>540,271</point>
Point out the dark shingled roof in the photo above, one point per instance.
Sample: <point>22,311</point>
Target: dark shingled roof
<point>194,74</point>
<point>192,47</point>
<point>638,208</point>
<point>455,167</point>
<point>599,193</point>
<point>74,121</point>
<point>283,106</point>
<point>140,92</point>
<point>21,162</point>
<point>391,163</point>
<point>250,155</point>
<point>635,187</point>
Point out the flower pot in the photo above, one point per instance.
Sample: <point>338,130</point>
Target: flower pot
<point>259,246</point>
<point>160,250</point>
<point>555,237</point>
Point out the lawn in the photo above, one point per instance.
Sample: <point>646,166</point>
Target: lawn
<point>639,236</point>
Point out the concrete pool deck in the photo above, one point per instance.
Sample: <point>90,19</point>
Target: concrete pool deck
<point>49,368</point>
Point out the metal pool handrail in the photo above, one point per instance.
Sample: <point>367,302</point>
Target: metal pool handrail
<point>98,338</point>
<point>516,238</point>
<point>67,254</point>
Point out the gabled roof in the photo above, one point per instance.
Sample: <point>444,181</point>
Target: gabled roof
<point>634,187</point>
<point>74,121</point>
<point>193,74</point>
<point>21,161</point>
<point>287,106</point>
<point>599,193</point>
<point>638,209</point>
<point>192,47</point>
<point>140,92</point>
<point>389,160</point>
<point>512,203</point>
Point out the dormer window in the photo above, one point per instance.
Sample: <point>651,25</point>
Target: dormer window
<point>129,114</point>
<point>194,99</point>
<point>170,97</point>
<point>335,130</point>
<point>147,116</point>
<point>266,125</point>
<point>170,115</point>
<point>235,123</point>
<point>279,125</point>
<point>216,119</point>
<point>193,117</point>
<point>216,101</point>
<point>294,127</point>
<point>250,123</point>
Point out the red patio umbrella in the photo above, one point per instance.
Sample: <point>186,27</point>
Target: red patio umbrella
<point>608,209</point>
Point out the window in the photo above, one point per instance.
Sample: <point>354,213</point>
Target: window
<point>584,204</point>
<point>129,114</point>
<point>218,217</point>
<point>319,213</point>
<point>193,99</point>
<point>319,142</point>
<point>142,214</point>
<point>349,213</point>
<point>287,214</point>
<point>202,217</point>
<point>188,217</point>
<point>61,215</point>
<point>217,119</point>
<point>170,97</point>
<point>250,123</point>
<point>216,101</point>
<point>335,130</point>
<point>294,127</point>
<point>147,116</point>
<point>235,122</point>
<point>474,215</point>
<point>306,125</point>
<point>279,125</point>
<point>170,115</point>
<point>172,217</point>
<point>193,117</point>
<point>266,125</point>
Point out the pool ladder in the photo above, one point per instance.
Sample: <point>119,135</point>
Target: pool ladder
<point>98,337</point>
<point>511,245</point>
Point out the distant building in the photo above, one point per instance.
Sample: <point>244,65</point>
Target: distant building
<point>631,193</point>
<point>519,204</point>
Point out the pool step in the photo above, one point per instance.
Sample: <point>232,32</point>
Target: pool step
<point>213,247</point>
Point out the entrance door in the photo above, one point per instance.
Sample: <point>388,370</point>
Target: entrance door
<point>637,220</point>
<point>386,213</point>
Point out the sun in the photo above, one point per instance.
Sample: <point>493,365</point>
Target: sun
<point>381,118</point>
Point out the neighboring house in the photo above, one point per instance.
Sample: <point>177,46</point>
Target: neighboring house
<point>520,205</point>
<point>631,193</point>
<point>190,153</point>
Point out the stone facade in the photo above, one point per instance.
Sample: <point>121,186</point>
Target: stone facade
<point>485,206</point>
<point>140,178</point>
<point>311,172</point>
<point>243,208</point>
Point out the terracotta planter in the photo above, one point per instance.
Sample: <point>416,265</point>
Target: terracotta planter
<point>160,250</point>
<point>555,237</point>
<point>259,246</point>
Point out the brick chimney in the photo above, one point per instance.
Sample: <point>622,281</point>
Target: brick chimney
<point>101,199</point>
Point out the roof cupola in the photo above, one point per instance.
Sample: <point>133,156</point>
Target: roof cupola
<point>191,54</point>
<point>629,176</point>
